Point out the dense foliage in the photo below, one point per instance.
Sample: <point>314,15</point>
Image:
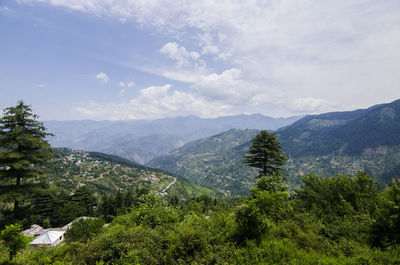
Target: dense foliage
<point>336,220</point>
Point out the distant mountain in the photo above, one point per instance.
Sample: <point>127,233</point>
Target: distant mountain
<point>142,140</point>
<point>344,142</point>
<point>326,144</point>
<point>347,133</point>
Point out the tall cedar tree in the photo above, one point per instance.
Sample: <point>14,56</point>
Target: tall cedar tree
<point>23,147</point>
<point>266,154</point>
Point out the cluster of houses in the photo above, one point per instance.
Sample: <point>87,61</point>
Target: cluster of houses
<point>48,237</point>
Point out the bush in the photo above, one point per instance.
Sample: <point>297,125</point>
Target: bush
<point>84,229</point>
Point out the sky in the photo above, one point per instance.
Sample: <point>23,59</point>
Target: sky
<point>138,59</point>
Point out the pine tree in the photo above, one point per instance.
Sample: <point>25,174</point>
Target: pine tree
<point>266,154</point>
<point>85,198</point>
<point>23,147</point>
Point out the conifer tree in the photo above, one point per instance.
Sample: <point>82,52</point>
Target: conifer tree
<point>85,198</point>
<point>266,154</point>
<point>23,147</point>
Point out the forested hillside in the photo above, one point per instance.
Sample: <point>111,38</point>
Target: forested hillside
<point>343,143</point>
<point>74,183</point>
<point>348,133</point>
<point>104,173</point>
<point>215,162</point>
<point>326,144</point>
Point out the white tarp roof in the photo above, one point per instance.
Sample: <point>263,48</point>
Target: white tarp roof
<point>33,231</point>
<point>47,238</point>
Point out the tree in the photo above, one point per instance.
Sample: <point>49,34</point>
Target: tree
<point>251,222</point>
<point>85,198</point>
<point>23,147</point>
<point>385,230</point>
<point>83,229</point>
<point>13,239</point>
<point>266,154</point>
<point>271,183</point>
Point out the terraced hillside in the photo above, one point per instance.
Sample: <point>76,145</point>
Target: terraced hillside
<point>103,173</point>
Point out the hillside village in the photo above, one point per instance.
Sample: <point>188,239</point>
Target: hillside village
<point>72,169</point>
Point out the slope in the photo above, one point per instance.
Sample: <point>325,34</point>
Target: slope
<point>214,161</point>
<point>105,173</point>
<point>326,144</point>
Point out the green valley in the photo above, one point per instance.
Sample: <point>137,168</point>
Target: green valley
<point>326,144</point>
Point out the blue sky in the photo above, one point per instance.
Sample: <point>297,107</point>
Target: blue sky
<point>121,59</point>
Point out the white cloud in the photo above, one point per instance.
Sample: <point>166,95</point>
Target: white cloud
<point>103,77</point>
<point>124,87</point>
<point>308,105</point>
<point>227,87</point>
<point>179,53</point>
<point>181,76</point>
<point>344,51</point>
<point>154,102</point>
<point>209,49</point>
<point>41,86</point>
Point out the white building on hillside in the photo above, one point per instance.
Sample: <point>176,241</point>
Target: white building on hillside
<point>49,238</point>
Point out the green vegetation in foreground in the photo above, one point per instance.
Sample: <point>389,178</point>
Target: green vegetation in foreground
<point>337,220</point>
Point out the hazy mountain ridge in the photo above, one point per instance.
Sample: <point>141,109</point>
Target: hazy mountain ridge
<point>326,144</point>
<point>142,140</point>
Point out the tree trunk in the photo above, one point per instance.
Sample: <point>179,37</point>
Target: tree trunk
<point>16,206</point>
<point>16,202</point>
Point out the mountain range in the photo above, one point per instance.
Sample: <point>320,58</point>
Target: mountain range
<point>325,144</point>
<point>143,140</point>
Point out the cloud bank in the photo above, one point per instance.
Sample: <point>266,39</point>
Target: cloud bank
<point>285,56</point>
<point>152,103</point>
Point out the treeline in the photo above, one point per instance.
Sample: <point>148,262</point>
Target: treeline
<point>336,220</point>
<point>47,206</point>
